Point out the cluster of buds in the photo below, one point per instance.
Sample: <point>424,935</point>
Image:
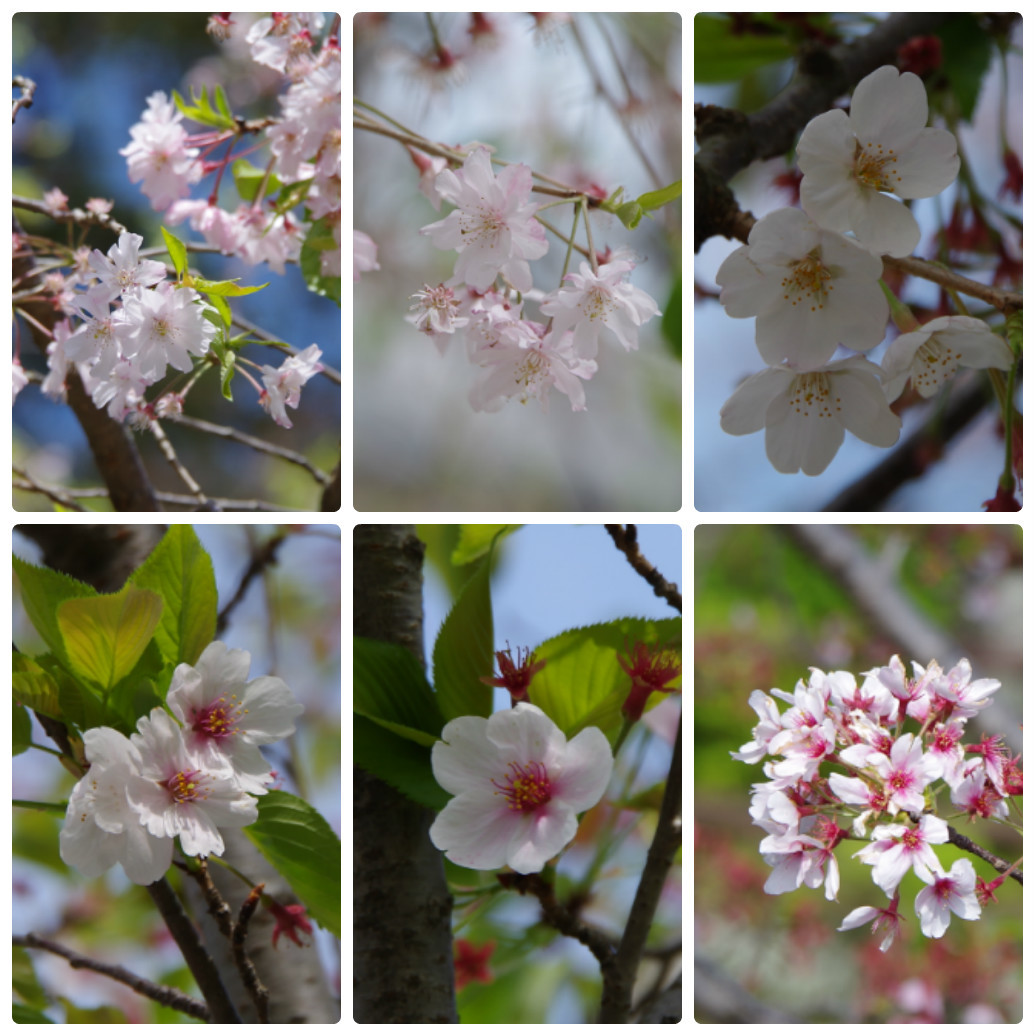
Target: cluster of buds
<point>843,752</point>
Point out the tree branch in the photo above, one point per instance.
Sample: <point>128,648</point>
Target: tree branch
<point>625,540</point>
<point>194,953</point>
<point>1006,302</point>
<point>262,557</point>
<point>172,997</point>
<point>616,1000</point>
<point>964,842</point>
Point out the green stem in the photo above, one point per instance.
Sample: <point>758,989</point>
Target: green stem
<point>41,806</point>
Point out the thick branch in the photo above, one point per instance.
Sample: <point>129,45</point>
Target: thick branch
<point>172,997</point>
<point>625,539</point>
<point>616,1001</point>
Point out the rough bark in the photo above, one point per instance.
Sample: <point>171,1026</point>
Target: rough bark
<point>402,940</point>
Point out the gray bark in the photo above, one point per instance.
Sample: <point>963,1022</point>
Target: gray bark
<point>402,939</point>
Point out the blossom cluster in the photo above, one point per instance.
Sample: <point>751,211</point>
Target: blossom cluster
<point>305,141</point>
<point>494,230</point>
<point>811,288</point>
<point>131,325</point>
<point>841,752</point>
<point>185,774</point>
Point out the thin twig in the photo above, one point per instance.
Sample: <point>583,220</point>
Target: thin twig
<point>25,482</point>
<point>616,1001</point>
<point>79,216</point>
<point>257,444</point>
<point>174,461</point>
<point>560,918</point>
<point>69,496</point>
<point>171,997</point>
<point>262,558</point>
<point>217,907</point>
<point>258,332</point>
<point>1005,301</point>
<point>28,89</point>
<point>625,540</point>
<point>194,953</point>
<point>256,989</point>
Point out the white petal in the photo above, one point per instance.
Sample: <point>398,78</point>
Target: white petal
<point>889,108</point>
<point>744,412</point>
<point>886,226</point>
<point>583,772</point>
<point>865,410</point>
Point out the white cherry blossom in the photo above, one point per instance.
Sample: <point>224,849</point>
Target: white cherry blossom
<point>518,786</point>
<point>853,162</point>
<point>805,415</point>
<point>283,384</point>
<point>226,716</point>
<point>946,893</point>
<point>931,355</point>
<point>810,288</point>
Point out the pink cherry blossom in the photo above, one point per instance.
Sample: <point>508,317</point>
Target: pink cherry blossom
<point>493,226</point>
<point>364,254</point>
<point>906,772</point>
<point>518,786</point>
<point>436,313</point>
<point>283,385</point>
<point>951,892</point>
<point>590,301</point>
<point>19,378</point>
<point>886,921</point>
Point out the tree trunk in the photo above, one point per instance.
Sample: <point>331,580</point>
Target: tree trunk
<point>402,938</point>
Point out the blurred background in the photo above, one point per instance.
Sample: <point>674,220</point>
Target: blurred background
<point>770,602</point>
<point>526,87</point>
<point>290,622</point>
<point>94,73</point>
<point>546,579</point>
<point>979,82</point>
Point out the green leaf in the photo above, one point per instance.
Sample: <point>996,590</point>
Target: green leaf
<point>227,365</point>
<point>201,110</point>
<point>476,540</point>
<point>300,844</point>
<point>43,590</point>
<point>33,686</point>
<point>966,54</point>
<point>630,214</point>
<point>21,729</point>
<point>222,310</point>
<point>309,262</point>
<point>401,764</point>
<point>136,694</point>
<point>224,288</point>
<point>180,571</point>
<point>672,319</point>
<point>27,1015</point>
<point>249,177</point>
<point>463,650</point>
<point>582,683</point>
<point>722,57</point>
<point>221,103</point>
<point>389,688</point>
<point>657,198</point>
<point>106,635</point>
<point>177,252</point>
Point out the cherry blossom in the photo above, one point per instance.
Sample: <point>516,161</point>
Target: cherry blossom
<point>528,371</point>
<point>19,379</point>
<point>122,269</point>
<point>515,678</point>
<point>886,922</point>
<point>180,795</point>
<point>101,826</point>
<point>769,714</point>
<point>929,357</point>
<point>283,385</point>
<point>158,156</point>
<point>436,313</point>
<point>518,786</point>
<point>897,848</point>
<point>227,717</point>
<point>805,414</point>
<point>810,289</point>
<point>591,301</point>
<point>493,226</point>
<point>364,254</point>
<point>852,162</point>
<point>290,920</point>
<point>162,327</point>
<point>946,893</point>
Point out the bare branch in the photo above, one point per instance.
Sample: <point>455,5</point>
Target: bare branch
<point>28,89</point>
<point>68,497</point>
<point>256,989</point>
<point>174,461</point>
<point>258,444</point>
<point>625,540</point>
<point>1005,301</point>
<point>78,216</point>
<point>616,1000</point>
<point>171,997</point>
<point>262,558</point>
